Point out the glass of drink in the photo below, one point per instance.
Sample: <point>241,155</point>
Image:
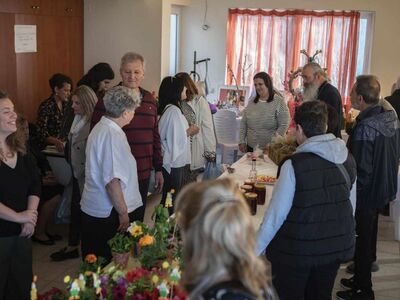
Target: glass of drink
<point>259,189</point>
<point>251,199</point>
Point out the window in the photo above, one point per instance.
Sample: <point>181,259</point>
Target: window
<point>173,45</point>
<point>365,43</point>
<point>271,40</point>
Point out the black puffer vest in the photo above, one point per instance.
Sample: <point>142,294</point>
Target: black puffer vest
<point>319,228</point>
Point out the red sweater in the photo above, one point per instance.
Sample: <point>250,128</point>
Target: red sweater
<point>142,134</point>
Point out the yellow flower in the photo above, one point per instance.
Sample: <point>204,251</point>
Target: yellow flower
<point>136,231</point>
<point>165,265</point>
<point>168,202</point>
<point>146,240</point>
<point>91,258</point>
<point>67,279</point>
<point>155,279</point>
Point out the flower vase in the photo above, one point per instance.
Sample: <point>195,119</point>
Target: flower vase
<point>121,259</point>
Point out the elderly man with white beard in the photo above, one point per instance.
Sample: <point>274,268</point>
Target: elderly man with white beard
<point>317,87</point>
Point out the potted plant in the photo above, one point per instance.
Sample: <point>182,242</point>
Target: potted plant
<point>121,245</point>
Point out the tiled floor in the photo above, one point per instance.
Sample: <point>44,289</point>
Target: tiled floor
<point>386,281</point>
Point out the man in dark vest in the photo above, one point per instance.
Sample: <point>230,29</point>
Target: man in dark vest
<point>375,145</point>
<point>308,229</point>
<point>317,87</point>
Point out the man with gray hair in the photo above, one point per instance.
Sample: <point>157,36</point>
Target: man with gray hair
<point>375,145</point>
<point>317,87</point>
<point>142,133</point>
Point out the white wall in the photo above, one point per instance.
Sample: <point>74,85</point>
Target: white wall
<point>212,43</point>
<point>114,27</point>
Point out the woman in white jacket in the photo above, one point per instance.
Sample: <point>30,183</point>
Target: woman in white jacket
<point>174,134</point>
<point>197,112</point>
<point>83,101</point>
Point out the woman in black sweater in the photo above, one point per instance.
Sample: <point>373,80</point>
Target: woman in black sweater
<point>19,199</point>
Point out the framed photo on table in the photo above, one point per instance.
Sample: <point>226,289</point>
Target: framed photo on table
<point>227,93</point>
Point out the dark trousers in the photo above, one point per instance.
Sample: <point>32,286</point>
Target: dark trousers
<point>366,229</point>
<point>375,238</point>
<point>16,268</point>
<point>249,149</point>
<point>74,235</point>
<point>144,190</point>
<point>97,231</point>
<point>174,181</point>
<point>309,283</point>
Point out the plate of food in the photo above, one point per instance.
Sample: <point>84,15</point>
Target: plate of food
<point>266,179</point>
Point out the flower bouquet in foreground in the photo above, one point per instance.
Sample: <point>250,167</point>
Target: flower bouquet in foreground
<point>157,251</point>
<point>158,283</point>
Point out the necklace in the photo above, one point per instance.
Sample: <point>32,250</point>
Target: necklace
<point>4,155</point>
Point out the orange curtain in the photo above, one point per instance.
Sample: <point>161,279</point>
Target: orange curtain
<point>271,40</point>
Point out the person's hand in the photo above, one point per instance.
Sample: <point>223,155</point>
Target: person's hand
<point>243,148</point>
<point>27,216</point>
<point>27,230</point>
<point>59,145</point>
<point>159,181</point>
<point>123,222</point>
<point>193,130</point>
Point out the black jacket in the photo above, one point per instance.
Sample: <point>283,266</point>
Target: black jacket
<point>331,96</point>
<point>394,100</point>
<point>375,145</point>
<point>319,228</point>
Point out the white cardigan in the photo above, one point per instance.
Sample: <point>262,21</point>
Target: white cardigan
<point>205,139</point>
<point>78,137</point>
<point>175,143</point>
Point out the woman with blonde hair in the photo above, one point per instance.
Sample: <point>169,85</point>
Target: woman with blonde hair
<point>219,243</point>
<point>83,101</point>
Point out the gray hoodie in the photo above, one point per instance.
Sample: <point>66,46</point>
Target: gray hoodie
<point>326,146</point>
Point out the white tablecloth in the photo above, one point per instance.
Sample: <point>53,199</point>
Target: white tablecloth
<point>242,169</point>
<point>267,167</point>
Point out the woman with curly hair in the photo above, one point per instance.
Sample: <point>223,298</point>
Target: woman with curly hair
<point>19,199</point>
<point>219,243</point>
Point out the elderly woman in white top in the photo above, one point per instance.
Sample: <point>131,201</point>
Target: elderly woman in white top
<point>265,115</point>
<point>197,111</point>
<point>111,193</point>
<point>83,101</point>
<point>174,133</point>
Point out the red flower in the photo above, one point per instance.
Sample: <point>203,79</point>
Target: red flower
<point>136,274</point>
<point>91,258</point>
<point>151,295</point>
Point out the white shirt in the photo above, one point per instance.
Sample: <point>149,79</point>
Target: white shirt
<point>175,143</point>
<point>108,156</point>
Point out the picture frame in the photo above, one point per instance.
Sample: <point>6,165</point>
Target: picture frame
<point>227,92</point>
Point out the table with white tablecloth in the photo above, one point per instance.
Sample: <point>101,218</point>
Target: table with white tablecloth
<point>267,167</point>
<point>264,167</point>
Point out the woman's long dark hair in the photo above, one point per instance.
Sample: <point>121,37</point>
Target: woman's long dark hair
<point>170,93</point>
<point>268,83</point>
<point>95,75</point>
